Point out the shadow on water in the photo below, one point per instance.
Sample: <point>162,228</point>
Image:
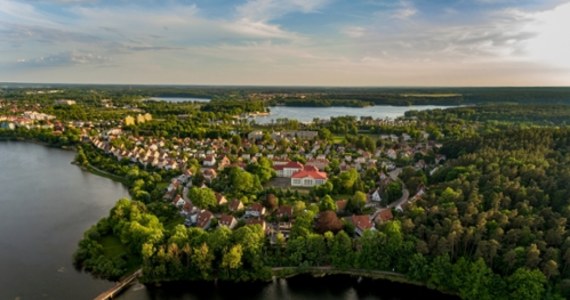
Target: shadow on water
<point>300,287</point>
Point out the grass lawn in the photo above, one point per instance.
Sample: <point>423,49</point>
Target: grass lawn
<point>341,197</point>
<point>113,248</point>
<point>338,138</point>
<point>173,222</point>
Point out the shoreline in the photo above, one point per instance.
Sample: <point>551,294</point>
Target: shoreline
<point>290,272</point>
<point>35,141</point>
<point>278,272</point>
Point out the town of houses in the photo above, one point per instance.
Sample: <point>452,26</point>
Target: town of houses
<point>216,154</point>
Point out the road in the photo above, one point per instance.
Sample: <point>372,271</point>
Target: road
<point>404,199</point>
<point>398,203</point>
<point>356,272</point>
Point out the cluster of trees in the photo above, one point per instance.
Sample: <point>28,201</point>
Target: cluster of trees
<point>195,254</point>
<point>319,102</point>
<point>504,200</point>
<point>134,225</point>
<point>234,106</point>
<point>540,114</point>
<point>237,182</point>
<point>68,138</point>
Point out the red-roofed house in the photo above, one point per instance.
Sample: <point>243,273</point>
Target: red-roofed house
<point>228,221</point>
<point>209,174</point>
<point>384,216</point>
<point>288,169</point>
<point>341,206</point>
<point>221,199</point>
<point>284,212</point>
<point>259,222</point>
<point>235,205</point>
<point>361,223</point>
<point>308,177</point>
<point>204,219</point>
<point>178,201</point>
<point>255,210</point>
<point>320,164</point>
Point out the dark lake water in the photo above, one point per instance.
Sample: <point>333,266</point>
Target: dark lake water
<point>302,287</point>
<point>45,206</point>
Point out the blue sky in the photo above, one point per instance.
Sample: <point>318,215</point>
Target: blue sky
<point>287,42</point>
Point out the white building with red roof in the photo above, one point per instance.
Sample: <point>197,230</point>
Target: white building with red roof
<point>288,169</point>
<point>308,177</point>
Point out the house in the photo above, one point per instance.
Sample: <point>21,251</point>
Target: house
<point>419,194</point>
<point>308,177</point>
<point>284,212</point>
<point>320,164</point>
<point>221,199</point>
<point>204,219</point>
<point>384,216</point>
<point>361,223</point>
<point>224,162</point>
<point>259,222</point>
<point>301,134</point>
<point>7,125</point>
<point>209,174</point>
<point>392,154</point>
<point>341,206</point>
<point>188,209</point>
<point>65,102</point>
<point>285,228</point>
<point>178,201</point>
<point>376,196</point>
<point>209,161</point>
<point>288,169</point>
<point>228,221</point>
<point>255,210</point>
<point>255,135</point>
<point>235,205</point>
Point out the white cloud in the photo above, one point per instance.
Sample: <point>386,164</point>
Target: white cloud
<point>64,59</point>
<point>248,28</point>
<point>404,13</point>
<point>266,10</point>
<point>551,43</point>
<point>354,31</point>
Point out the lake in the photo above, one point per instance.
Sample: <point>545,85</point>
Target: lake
<point>46,204</point>
<point>307,114</point>
<point>180,99</point>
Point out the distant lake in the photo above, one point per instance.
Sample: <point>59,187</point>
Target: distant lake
<point>307,114</point>
<point>46,204</point>
<point>180,99</point>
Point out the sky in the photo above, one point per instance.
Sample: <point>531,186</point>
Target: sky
<point>287,42</point>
